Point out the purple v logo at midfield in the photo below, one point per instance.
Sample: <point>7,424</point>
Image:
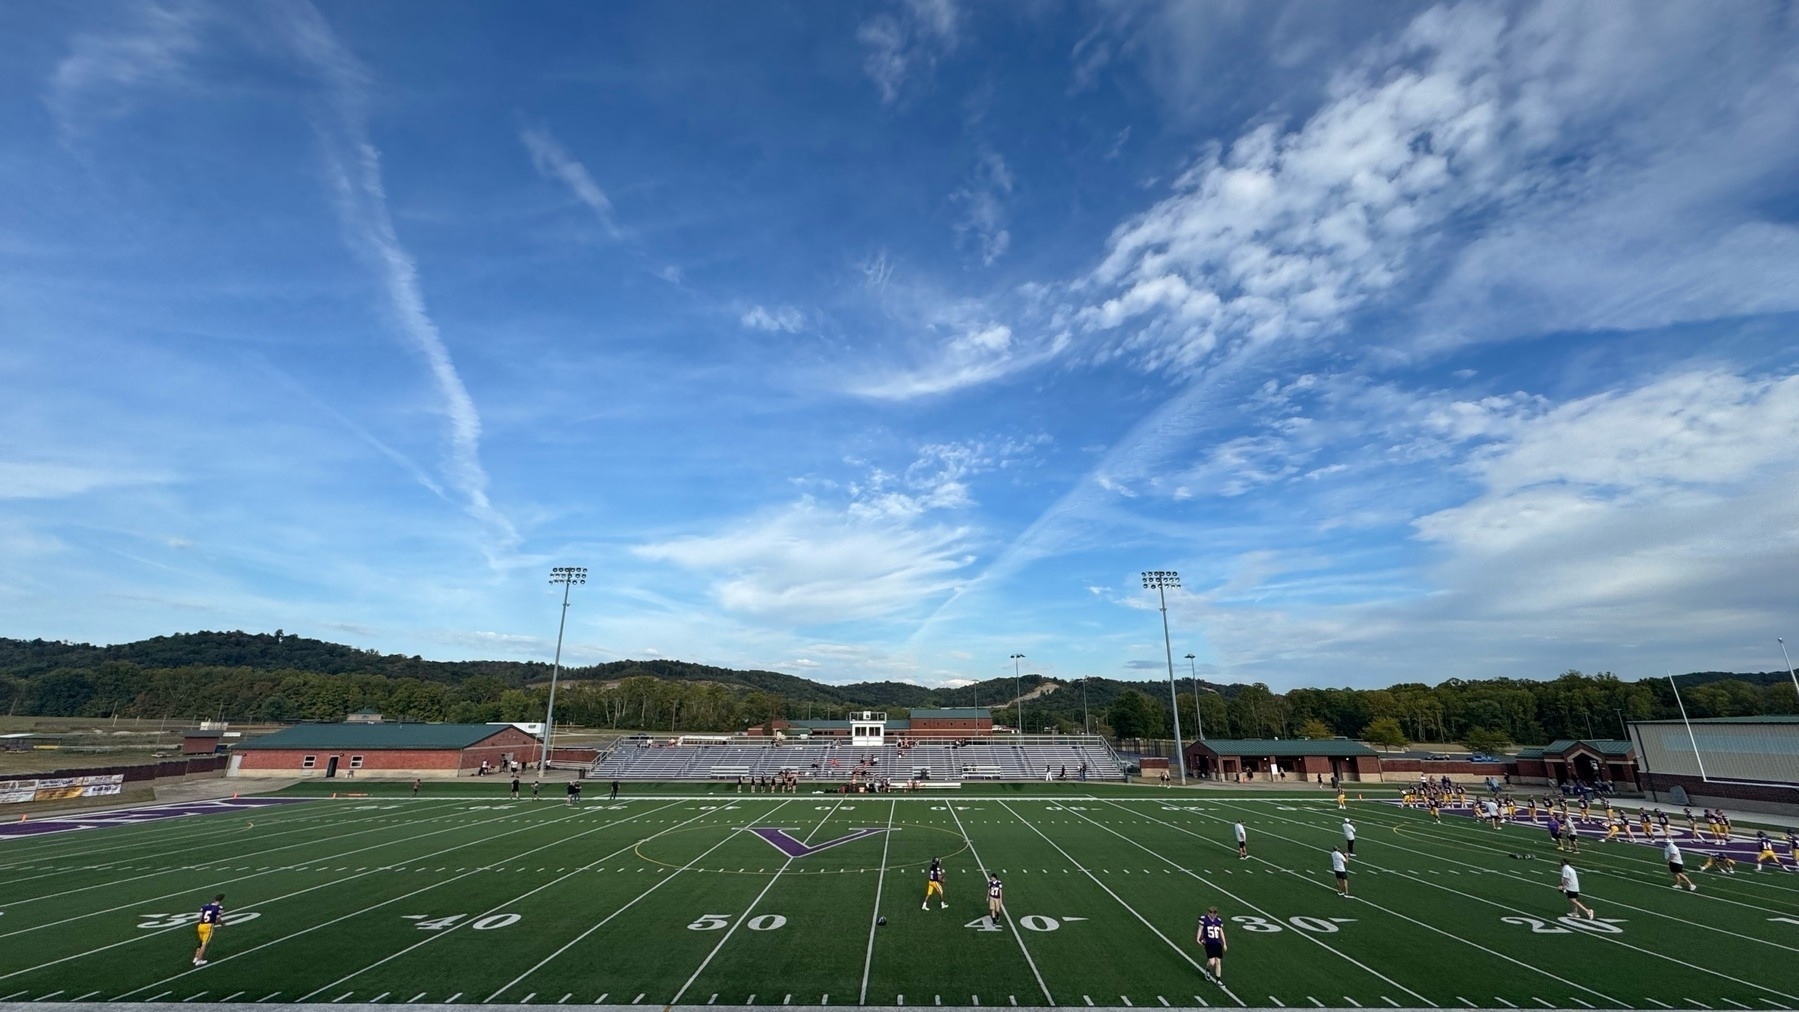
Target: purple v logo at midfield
<point>780,840</point>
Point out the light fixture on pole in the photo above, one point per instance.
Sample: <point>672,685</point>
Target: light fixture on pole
<point>1193,676</point>
<point>1086,722</point>
<point>568,576</point>
<point>1018,690</point>
<point>1162,581</point>
<point>1789,660</point>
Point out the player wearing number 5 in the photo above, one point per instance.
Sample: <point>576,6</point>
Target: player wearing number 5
<point>212,917</point>
<point>934,886</point>
<point>1211,935</point>
<point>996,907</point>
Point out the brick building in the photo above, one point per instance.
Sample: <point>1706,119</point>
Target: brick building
<point>1258,758</point>
<point>382,750</point>
<point>949,722</point>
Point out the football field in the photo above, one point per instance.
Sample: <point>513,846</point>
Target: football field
<point>719,898</point>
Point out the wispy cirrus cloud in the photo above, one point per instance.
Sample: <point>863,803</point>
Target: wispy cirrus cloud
<point>106,73</point>
<point>903,44</point>
<point>552,161</point>
<point>781,319</point>
<point>983,200</point>
<point>353,165</point>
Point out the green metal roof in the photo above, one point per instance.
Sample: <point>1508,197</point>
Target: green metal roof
<point>1530,753</point>
<point>954,713</point>
<point>1273,747</point>
<point>376,736</point>
<point>1603,746</point>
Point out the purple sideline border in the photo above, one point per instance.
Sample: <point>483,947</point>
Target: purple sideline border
<point>133,816</point>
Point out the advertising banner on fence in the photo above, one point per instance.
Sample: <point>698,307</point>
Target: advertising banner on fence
<point>13,792</point>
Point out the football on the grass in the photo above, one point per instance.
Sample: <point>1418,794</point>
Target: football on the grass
<point>880,922</point>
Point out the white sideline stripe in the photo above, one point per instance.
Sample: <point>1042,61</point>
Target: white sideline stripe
<point>383,903</point>
<point>1610,1001</point>
<point>772,879</point>
<point>1709,895</point>
<point>1308,936</point>
<point>1009,921</point>
<point>190,867</point>
<point>1083,869</point>
<point>868,961</point>
<point>1603,938</point>
<point>608,918</point>
<point>184,892</point>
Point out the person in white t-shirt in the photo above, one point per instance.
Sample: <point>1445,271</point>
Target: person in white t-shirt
<point>1571,889</point>
<point>1340,868</point>
<point>1349,837</point>
<point>1677,866</point>
<point>1242,842</point>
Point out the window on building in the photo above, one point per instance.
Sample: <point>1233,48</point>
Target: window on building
<point>309,762</point>
<point>355,762</point>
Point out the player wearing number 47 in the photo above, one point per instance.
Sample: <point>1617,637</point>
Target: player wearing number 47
<point>212,916</point>
<point>996,907</point>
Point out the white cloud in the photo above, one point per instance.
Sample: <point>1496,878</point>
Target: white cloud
<point>552,161</point>
<point>906,43</point>
<point>983,199</point>
<point>354,170</point>
<point>45,480</point>
<point>807,564</point>
<point>104,75</point>
<point>785,319</point>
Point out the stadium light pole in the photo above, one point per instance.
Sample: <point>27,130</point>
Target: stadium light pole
<point>568,576</point>
<point>1161,580</point>
<point>1086,722</point>
<point>1789,660</point>
<point>1018,690</point>
<point>1200,718</point>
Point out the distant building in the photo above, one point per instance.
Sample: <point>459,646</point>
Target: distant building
<point>871,727</point>
<point>950,722</point>
<point>1741,762</point>
<point>202,741</point>
<point>1579,761</point>
<point>363,717</point>
<point>384,750</point>
<point>1260,758</point>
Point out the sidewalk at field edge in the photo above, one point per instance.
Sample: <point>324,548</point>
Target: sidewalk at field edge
<point>214,788</point>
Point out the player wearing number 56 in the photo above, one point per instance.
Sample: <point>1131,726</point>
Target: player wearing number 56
<point>211,919</point>
<point>1211,935</point>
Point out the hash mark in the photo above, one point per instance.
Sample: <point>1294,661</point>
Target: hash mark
<point>1663,1004</point>
<point>1738,1004</point>
<point>1572,998</point>
<point>602,998</point>
<point>451,1000</point>
<point>1358,1004</point>
<point>341,997</point>
<point>376,998</point>
<point>1541,1002</point>
<point>1507,1004</point>
<point>526,1000</point>
<point>409,1001</point>
<point>1088,998</point>
<point>564,999</point>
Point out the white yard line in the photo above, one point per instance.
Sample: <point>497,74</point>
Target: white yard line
<point>1121,902</point>
<point>874,919</point>
<point>1009,921</point>
<point>396,899</point>
<point>1610,1001</point>
<point>1263,912</point>
<point>1613,940</point>
<point>242,878</point>
<point>571,943</point>
<point>1588,864</point>
<point>776,877</point>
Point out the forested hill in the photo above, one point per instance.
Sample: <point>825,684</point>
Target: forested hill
<point>281,677</point>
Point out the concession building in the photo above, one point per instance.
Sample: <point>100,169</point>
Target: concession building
<point>382,750</point>
<point>1260,758</point>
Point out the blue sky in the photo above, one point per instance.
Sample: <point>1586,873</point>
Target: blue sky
<point>887,340</point>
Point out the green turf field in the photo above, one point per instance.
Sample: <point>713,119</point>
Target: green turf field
<point>669,899</point>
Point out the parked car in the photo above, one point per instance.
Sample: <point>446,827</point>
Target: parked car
<point>1482,757</point>
<point>1437,756</point>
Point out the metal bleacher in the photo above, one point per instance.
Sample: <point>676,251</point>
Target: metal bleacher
<point>1029,757</point>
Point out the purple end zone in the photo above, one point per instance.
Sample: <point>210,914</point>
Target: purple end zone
<point>132,816</point>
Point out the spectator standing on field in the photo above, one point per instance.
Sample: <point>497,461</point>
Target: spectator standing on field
<point>1349,837</point>
<point>1677,867</point>
<point>1242,842</point>
<point>1340,868</point>
<point>1571,889</point>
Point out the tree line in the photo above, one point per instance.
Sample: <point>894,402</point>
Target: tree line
<point>258,677</point>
